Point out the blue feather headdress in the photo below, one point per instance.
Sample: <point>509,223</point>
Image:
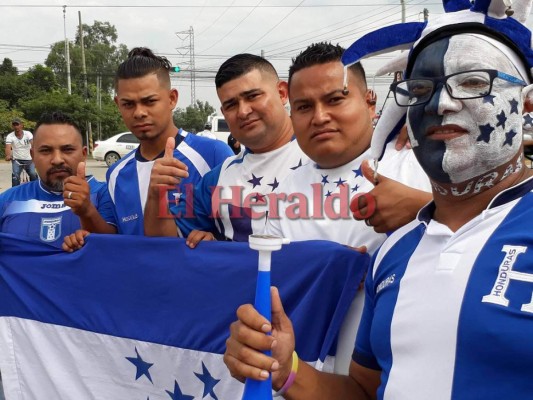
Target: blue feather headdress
<point>493,18</point>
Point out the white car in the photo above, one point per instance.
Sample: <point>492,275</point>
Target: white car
<point>113,149</point>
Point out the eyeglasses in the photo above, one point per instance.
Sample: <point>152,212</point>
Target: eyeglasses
<point>461,86</point>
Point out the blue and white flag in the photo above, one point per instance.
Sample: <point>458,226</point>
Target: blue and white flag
<point>129,317</point>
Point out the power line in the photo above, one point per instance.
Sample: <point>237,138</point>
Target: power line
<point>235,27</point>
<point>193,6</point>
<point>275,26</point>
<point>216,20</point>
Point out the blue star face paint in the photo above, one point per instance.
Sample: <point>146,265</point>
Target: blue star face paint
<point>457,140</point>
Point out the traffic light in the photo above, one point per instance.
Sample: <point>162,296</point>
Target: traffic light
<point>175,69</point>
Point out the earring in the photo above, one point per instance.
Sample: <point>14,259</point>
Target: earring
<point>509,11</point>
<point>345,90</point>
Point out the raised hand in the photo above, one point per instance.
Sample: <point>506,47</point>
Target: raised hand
<point>390,204</point>
<point>76,192</point>
<point>248,339</point>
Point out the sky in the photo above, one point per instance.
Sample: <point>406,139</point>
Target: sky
<point>278,28</point>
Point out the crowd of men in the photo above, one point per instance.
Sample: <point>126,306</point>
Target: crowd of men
<point>444,220</point>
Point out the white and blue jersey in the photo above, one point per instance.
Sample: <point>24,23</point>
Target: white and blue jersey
<point>321,198</point>
<point>128,179</point>
<point>30,210</point>
<point>231,200</point>
<point>449,315</point>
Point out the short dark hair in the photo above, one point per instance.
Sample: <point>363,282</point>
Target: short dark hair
<point>241,64</point>
<point>323,53</point>
<point>142,61</point>
<point>57,118</point>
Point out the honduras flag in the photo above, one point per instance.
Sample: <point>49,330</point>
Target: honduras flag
<point>129,317</point>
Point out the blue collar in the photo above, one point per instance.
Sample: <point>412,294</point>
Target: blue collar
<point>138,156</point>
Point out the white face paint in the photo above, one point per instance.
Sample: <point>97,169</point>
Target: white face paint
<point>466,156</point>
<point>484,133</point>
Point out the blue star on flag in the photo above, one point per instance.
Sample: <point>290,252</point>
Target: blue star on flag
<point>489,99</point>
<point>502,118</point>
<point>355,188</point>
<point>514,106</point>
<point>256,181</point>
<point>509,137</point>
<point>208,381</point>
<point>274,184</point>
<point>357,172</point>
<point>328,193</point>
<point>142,366</point>
<point>485,130</point>
<point>528,119</point>
<point>297,166</point>
<point>339,182</point>
<point>325,179</point>
<point>177,395</point>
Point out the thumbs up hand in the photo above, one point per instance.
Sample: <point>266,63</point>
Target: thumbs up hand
<point>76,191</point>
<point>167,171</point>
<point>393,203</point>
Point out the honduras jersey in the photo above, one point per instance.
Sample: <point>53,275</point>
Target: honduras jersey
<point>30,210</point>
<point>232,199</point>
<point>449,315</point>
<point>129,178</point>
<point>314,203</point>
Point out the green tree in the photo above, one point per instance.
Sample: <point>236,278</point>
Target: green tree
<point>10,90</point>
<point>43,88</point>
<point>7,68</point>
<point>102,56</point>
<point>193,117</point>
<point>38,79</point>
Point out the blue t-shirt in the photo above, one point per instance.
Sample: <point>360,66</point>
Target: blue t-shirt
<point>30,210</point>
<point>449,315</point>
<point>128,179</point>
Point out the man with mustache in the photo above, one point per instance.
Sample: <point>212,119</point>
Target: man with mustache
<point>63,199</point>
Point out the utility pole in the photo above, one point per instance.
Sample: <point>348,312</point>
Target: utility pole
<point>99,102</point>
<point>426,15</point>
<point>67,50</point>
<point>403,10</point>
<point>88,131</point>
<point>188,50</point>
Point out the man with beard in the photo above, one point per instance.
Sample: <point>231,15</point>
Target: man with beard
<point>448,309</point>
<point>63,199</point>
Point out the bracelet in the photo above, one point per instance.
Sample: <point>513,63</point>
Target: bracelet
<point>292,376</point>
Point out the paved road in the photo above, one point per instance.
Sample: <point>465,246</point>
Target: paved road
<point>96,168</point>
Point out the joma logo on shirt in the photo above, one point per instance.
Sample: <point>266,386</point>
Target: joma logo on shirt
<point>52,205</point>
<point>505,275</point>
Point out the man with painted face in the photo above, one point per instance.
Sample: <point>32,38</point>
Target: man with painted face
<point>448,310</point>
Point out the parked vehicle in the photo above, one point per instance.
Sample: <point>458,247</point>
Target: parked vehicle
<point>113,149</point>
<point>219,127</point>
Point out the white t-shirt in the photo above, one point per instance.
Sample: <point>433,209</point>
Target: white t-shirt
<point>318,200</point>
<point>21,147</point>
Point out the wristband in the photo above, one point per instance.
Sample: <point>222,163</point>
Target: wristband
<point>292,376</point>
